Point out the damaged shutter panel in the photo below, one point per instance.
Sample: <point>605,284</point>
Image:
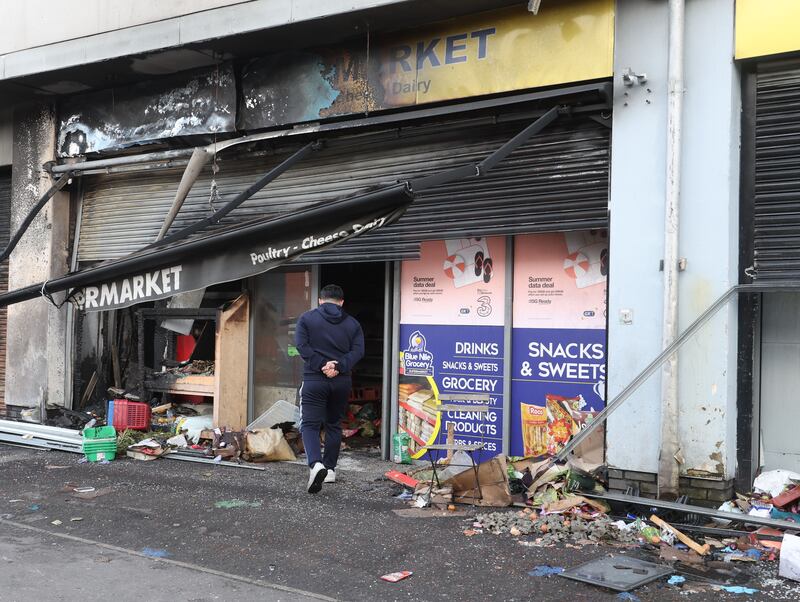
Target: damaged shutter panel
<point>557,181</point>
<point>776,229</point>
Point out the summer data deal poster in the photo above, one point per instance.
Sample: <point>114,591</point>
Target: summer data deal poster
<point>451,341</point>
<point>558,338</point>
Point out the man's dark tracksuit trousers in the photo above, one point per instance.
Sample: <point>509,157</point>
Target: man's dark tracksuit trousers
<point>323,404</point>
<point>326,334</point>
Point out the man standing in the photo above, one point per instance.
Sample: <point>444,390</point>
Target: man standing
<point>331,343</point>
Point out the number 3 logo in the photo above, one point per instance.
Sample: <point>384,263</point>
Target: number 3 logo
<point>485,307</point>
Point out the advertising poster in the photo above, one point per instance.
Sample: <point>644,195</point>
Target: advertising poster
<point>451,342</point>
<point>558,338</point>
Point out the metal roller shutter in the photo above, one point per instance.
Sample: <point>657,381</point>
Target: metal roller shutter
<point>558,181</point>
<point>5,235</point>
<point>776,235</point>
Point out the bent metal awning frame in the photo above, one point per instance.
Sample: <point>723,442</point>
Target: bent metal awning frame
<point>178,265</point>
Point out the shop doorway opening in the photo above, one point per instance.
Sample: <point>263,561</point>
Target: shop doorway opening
<point>364,286</point>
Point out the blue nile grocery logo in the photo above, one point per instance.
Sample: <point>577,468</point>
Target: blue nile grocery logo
<point>417,360</point>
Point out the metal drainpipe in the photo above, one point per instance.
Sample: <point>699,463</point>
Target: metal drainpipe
<point>668,467</point>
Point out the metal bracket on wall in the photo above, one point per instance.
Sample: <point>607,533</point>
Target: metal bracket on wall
<point>629,78</point>
<point>682,264</point>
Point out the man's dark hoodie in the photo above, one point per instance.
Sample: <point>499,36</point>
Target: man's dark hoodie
<point>328,333</point>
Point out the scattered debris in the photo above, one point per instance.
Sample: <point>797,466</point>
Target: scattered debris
<point>676,580</point>
<point>56,522</point>
<point>790,558</point>
<point>554,528</point>
<point>398,576</point>
<point>403,479</point>
<point>155,553</point>
<point>545,570</point>
<point>236,504</point>
<point>426,513</point>
<point>702,550</point>
<point>735,589</point>
<point>90,493</point>
<point>774,482</point>
<point>621,573</point>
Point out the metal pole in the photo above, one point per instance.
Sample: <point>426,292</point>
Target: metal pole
<point>69,347</point>
<point>640,378</point>
<point>216,217</point>
<point>127,160</point>
<point>386,392</point>
<point>668,467</point>
<point>394,366</point>
<point>196,164</point>
<point>508,326</point>
<point>58,185</point>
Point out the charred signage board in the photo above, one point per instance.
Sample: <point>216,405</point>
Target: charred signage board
<point>488,53</point>
<point>200,102</point>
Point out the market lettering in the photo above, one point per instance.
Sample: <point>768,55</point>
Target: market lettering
<point>472,428</point>
<point>133,289</point>
<point>406,88</point>
<point>376,223</point>
<point>468,348</point>
<point>436,52</point>
<point>310,242</point>
<point>572,371</point>
<point>575,351</point>
<point>463,383</point>
<point>447,365</point>
<point>270,254</point>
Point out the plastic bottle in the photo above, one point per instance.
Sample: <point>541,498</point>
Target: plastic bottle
<point>401,453</point>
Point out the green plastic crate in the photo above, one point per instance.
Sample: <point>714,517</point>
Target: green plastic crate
<point>100,443</point>
<point>100,432</point>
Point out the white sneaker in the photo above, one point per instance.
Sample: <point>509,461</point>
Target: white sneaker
<point>331,478</point>
<point>316,477</point>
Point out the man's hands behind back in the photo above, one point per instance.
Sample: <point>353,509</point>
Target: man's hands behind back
<point>330,370</point>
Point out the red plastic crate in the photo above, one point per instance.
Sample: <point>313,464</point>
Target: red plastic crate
<point>131,415</point>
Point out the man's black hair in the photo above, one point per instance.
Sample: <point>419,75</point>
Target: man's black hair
<point>333,292</point>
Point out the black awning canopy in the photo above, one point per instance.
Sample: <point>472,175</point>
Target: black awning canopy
<point>185,264</point>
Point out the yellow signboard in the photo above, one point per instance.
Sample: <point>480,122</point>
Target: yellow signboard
<point>513,49</point>
<point>487,53</point>
<point>765,27</point>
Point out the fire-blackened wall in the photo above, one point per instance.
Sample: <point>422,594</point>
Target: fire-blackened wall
<point>36,329</point>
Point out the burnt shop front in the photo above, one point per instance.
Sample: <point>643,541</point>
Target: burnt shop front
<point>492,286</point>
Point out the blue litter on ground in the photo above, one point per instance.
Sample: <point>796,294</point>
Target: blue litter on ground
<point>736,589</point>
<point>754,553</point>
<point>627,596</point>
<point>543,570</point>
<point>153,553</point>
<point>676,580</point>
<point>34,507</point>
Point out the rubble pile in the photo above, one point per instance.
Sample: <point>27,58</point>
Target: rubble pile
<point>554,528</point>
<point>736,549</point>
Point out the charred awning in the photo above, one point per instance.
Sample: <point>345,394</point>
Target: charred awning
<point>179,264</point>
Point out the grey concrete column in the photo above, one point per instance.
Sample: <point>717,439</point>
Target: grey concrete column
<point>708,236</point>
<point>36,329</point>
